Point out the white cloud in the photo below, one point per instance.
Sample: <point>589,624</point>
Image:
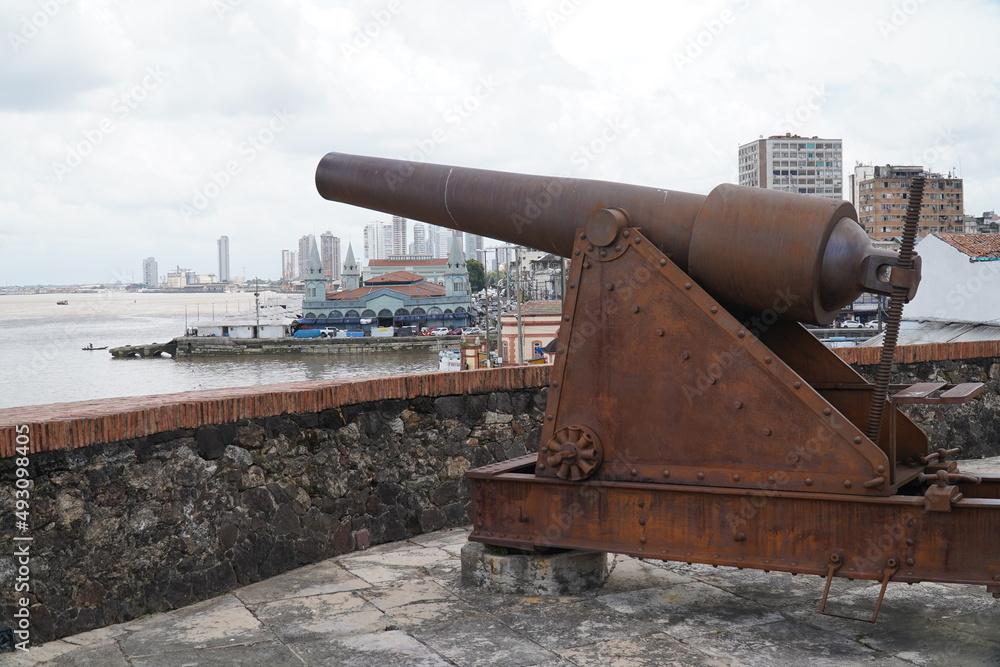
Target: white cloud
<point>527,85</point>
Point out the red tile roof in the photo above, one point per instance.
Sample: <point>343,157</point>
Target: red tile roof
<point>404,262</point>
<point>973,245</point>
<point>417,290</point>
<point>395,277</point>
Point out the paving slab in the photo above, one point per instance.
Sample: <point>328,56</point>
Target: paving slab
<point>404,604</point>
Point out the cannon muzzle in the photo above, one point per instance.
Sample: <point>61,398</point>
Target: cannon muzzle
<point>800,256</point>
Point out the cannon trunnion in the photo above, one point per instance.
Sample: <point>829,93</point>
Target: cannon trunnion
<point>690,416</point>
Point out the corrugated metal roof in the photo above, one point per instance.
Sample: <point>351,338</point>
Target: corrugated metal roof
<point>925,332</point>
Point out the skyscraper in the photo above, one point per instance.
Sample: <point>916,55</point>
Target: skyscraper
<point>378,235</point>
<point>398,236</point>
<point>473,242</point>
<point>304,245</point>
<point>419,245</point>
<point>882,200</point>
<point>330,254</point>
<point>790,163</point>
<point>223,259</point>
<point>289,264</point>
<point>150,272</point>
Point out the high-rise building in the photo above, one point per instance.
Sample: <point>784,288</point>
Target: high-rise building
<point>378,240</point>
<point>398,236</point>
<point>473,242</point>
<point>882,201</point>
<point>289,264</point>
<point>790,163</point>
<point>223,259</point>
<point>440,240</point>
<point>305,243</point>
<point>150,272</point>
<point>419,245</point>
<point>329,251</point>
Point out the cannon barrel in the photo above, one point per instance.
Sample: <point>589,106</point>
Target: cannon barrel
<point>804,257</point>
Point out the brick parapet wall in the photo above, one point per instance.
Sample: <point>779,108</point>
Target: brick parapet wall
<point>80,424</point>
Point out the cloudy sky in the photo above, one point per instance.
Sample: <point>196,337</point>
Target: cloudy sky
<point>132,129</point>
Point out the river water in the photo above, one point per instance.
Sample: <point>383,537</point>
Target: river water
<point>41,360</point>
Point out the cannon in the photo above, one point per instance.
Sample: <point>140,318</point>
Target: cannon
<point>690,415</point>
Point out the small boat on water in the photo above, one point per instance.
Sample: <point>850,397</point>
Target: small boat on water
<point>62,303</point>
<point>91,347</point>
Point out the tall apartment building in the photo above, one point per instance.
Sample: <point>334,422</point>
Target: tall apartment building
<point>223,259</point>
<point>883,193</point>
<point>473,242</point>
<point>329,251</point>
<point>790,163</point>
<point>398,236</point>
<point>305,243</point>
<point>419,245</point>
<point>289,265</point>
<point>150,272</point>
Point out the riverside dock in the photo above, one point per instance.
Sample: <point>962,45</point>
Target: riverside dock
<point>204,346</point>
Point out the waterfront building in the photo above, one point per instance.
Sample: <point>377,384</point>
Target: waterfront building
<point>882,194</point>
<point>790,163</point>
<point>330,254</point>
<point>449,271</point>
<point>223,259</point>
<point>150,272</point>
<point>393,295</point>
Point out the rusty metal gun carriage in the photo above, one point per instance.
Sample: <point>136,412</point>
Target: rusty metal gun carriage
<point>691,416</point>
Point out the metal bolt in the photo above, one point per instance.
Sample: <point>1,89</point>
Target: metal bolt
<point>541,466</point>
<point>635,309</point>
<point>561,350</point>
<point>857,440</point>
<point>770,480</point>
<point>566,318</point>
<point>685,355</point>
<point>583,236</point>
<point>687,285</point>
<point>611,288</point>
<point>572,284</point>
<point>666,474</point>
<point>642,503</point>
<point>642,521</point>
<point>741,333</point>
<point>738,405</point>
<point>796,385</point>
<point>766,431</point>
<point>643,539</point>
<point>638,240</point>
<point>618,247</point>
<point>909,541</point>
<point>604,253</point>
<point>663,262</point>
<point>741,537</point>
<point>736,477</point>
<point>712,380</point>
<point>634,472</point>
<point>576,252</point>
<point>809,481</point>
<point>549,417</point>
<point>909,561</point>
<point>555,384</point>
<point>713,310</point>
<point>768,360</point>
<point>590,248</point>
<point>827,411</point>
<point>586,265</point>
<point>700,475</point>
<point>880,468</point>
<point>659,332</point>
<point>626,233</point>
<point>848,483</point>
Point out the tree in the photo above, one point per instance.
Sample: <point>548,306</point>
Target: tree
<point>477,275</point>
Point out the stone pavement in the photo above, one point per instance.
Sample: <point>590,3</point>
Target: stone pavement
<point>403,604</point>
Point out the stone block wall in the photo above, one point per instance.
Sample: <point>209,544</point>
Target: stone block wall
<point>143,524</point>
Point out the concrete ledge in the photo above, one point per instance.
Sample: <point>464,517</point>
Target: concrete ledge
<point>564,573</point>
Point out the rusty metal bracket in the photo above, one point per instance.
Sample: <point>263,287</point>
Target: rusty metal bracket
<point>836,560</point>
<point>940,496</point>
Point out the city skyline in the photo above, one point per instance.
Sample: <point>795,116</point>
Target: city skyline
<point>130,134</point>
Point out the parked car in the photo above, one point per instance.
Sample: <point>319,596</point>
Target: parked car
<point>405,331</point>
<point>328,332</point>
<point>438,331</point>
<point>855,324</point>
<point>472,331</point>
